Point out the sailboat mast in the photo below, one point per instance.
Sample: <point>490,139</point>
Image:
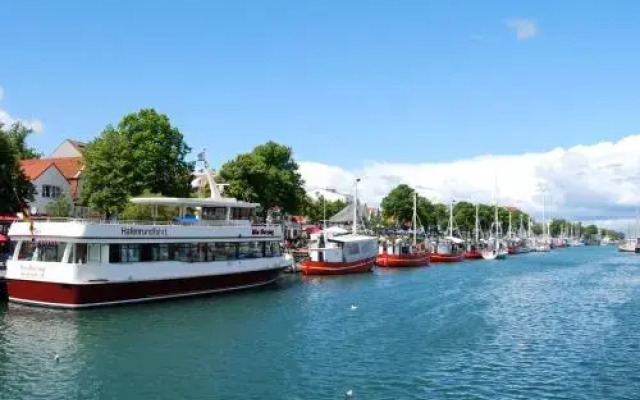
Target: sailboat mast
<point>415,217</point>
<point>451,219</point>
<point>355,209</point>
<point>477,222</point>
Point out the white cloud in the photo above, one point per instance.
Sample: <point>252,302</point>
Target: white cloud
<point>36,125</point>
<point>600,181</point>
<point>525,29</point>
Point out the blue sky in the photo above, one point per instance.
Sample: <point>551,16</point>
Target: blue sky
<point>340,82</point>
<point>443,95</point>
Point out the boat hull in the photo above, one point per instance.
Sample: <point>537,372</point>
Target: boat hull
<point>95,294</point>
<point>337,268</point>
<point>446,258</point>
<point>492,255</point>
<point>472,255</point>
<point>403,260</point>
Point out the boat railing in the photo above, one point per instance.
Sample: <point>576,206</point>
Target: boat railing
<point>197,223</point>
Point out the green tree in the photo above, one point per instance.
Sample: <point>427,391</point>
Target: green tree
<point>144,152</point>
<point>146,212</point>
<point>15,187</point>
<point>267,175</point>
<point>17,135</point>
<point>398,204</point>
<point>62,207</point>
<point>314,209</point>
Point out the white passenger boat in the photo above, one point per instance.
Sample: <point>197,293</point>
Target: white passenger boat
<point>83,263</point>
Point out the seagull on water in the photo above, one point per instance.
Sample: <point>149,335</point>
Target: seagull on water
<point>354,307</point>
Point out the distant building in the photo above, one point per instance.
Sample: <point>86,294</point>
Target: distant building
<point>56,175</point>
<point>69,148</point>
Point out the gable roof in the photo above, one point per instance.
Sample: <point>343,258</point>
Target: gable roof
<point>80,146</point>
<point>69,167</point>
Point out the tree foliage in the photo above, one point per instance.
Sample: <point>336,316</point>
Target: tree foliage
<point>398,205</point>
<point>267,175</point>
<point>145,212</point>
<point>17,135</point>
<point>15,187</point>
<point>144,152</point>
<point>62,207</point>
<point>314,209</point>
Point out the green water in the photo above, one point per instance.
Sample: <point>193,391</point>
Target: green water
<point>563,325</point>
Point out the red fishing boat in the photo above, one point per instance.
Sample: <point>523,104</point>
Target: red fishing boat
<point>337,252</point>
<point>399,253</point>
<point>473,255</point>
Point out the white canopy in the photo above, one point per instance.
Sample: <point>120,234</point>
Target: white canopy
<point>454,239</point>
<point>193,202</point>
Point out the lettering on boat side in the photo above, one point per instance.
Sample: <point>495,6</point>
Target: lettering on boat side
<point>144,231</point>
<point>31,271</point>
<point>262,231</point>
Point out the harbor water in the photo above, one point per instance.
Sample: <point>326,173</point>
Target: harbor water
<point>562,325</point>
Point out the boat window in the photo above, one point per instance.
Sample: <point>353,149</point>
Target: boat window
<point>244,250</point>
<point>185,251</point>
<point>160,252</point>
<point>48,251</point>
<point>146,252</point>
<point>224,251</point>
<point>214,213</point>
<point>115,254</point>
<point>276,250</point>
<point>240,213</point>
<point>200,254</point>
<point>80,253</point>
<point>94,252</point>
<point>130,253</point>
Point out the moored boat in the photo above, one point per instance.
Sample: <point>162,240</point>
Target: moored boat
<point>211,247</point>
<point>398,253</point>
<point>497,250</point>
<point>339,253</point>
<point>630,246</point>
<point>451,248</point>
<point>474,250</point>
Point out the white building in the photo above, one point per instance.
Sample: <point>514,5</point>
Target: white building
<point>54,176</point>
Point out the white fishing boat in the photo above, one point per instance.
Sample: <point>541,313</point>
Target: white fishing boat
<point>211,247</point>
<point>497,249</point>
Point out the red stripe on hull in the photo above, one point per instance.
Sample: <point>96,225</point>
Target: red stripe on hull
<point>98,294</point>
<point>512,250</point>
<point>472,255</point>
<point>403,260</point>
<point>336,268</point>
<point>437,257</point>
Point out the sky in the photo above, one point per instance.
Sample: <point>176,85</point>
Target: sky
<point>449,96</point>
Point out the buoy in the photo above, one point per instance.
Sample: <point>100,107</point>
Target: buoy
<point>354,307</point>
<point>349,393</point>
<point>56,358</point>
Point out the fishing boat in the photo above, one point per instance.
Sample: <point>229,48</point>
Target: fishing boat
<point>449,249</point>
<point>210,247</point>
<point>474,250</point>
<point>399,253</point>
<point>339,252</point>
<point>497,249</point>
<point>631,244</point>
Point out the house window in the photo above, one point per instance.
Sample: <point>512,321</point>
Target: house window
<point>51,191</point>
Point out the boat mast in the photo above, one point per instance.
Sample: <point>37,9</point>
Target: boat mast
<point>477,223</point>
<point>451,219</point>
<point>509,232</point>
<point>415,217</point>
<point>355,209</point>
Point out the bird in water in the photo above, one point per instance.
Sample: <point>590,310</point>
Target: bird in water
<point>354,307</point>
<point>56,358</point>
<point>348,394</point>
